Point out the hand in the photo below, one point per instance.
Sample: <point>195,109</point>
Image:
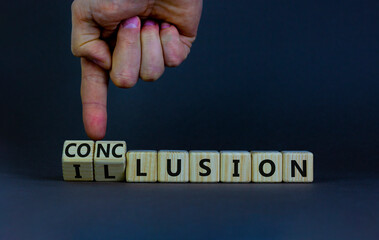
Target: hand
<point>127,39</point>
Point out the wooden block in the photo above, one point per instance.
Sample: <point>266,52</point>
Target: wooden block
<point>141,166</point>
<point>235,166</point>
<point>110,160</point>
<point>267,166</point>
<point>204,166</point>
<point>297,166</point>
<point>77,160</point>
<point>173,166</point>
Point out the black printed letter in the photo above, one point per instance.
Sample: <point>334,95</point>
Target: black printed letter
<point>105,152</point>
<point>261,165</point>
<point>80,150</point>
<point>206,168</point>
<point>178,170</point>
<point>303,172</point>
<point>236,174</point>
<point>139,173</point>
<point>106,173</point>
<point>67,152</point>
<point>114,150</point>
<point>77,171</point>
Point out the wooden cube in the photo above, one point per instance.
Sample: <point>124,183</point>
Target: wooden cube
<point>77,160</point>
<point>267,166</point>
<point>173,166</point>
<point>141,166</point>
<point>110,160</point>
<point>235,166</point>
<point>297,166</point>
<point>204,166</point>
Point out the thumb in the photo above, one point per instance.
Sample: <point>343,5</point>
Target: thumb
<point>85,38</point>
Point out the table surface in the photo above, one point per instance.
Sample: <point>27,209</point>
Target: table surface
<point>49,208</point>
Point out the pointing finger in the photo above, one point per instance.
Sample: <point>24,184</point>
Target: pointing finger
<point>94,99</point>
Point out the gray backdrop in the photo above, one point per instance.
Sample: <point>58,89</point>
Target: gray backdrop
<point>275,75</point>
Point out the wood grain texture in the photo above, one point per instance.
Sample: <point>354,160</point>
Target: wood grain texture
<point>173,166</point>
<point>110,161</point>
<point>235,166</point>
<point>141,166</point>
<point>77,160</point>
<point>204,166</point>
<point>266,166</point>
<point>295,160</point>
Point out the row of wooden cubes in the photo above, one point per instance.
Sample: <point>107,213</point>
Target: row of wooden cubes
<point>110,161</point>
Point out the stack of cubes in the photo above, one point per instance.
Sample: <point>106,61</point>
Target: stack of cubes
<point>110,161</point>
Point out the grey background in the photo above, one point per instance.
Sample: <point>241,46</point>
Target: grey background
<point>276,75</point>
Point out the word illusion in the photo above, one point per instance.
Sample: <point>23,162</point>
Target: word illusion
<point>110,161</point>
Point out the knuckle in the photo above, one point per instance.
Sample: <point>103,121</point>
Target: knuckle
<point>174,60</point>
<point>149,77</point>
<point>175,54</point>
<point>124,79</point>
<point>79,51</point>
<point>74,6</point>
<point>75,51</point>
<point>95,104</point>
<point>148,37</point>
<point>93,78</point>
<point>151,74</point>
<point>130,41</point>
<point>77,10</point>
<point>110,6</point>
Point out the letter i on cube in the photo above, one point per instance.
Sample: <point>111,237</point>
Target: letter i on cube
<point>77,160</point>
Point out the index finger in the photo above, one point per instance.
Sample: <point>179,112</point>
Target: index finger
<point>94,89</point>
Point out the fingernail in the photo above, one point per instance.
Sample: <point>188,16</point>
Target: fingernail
<point>149,23</point>
<point>165,25</point>
<point>130,23</point>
